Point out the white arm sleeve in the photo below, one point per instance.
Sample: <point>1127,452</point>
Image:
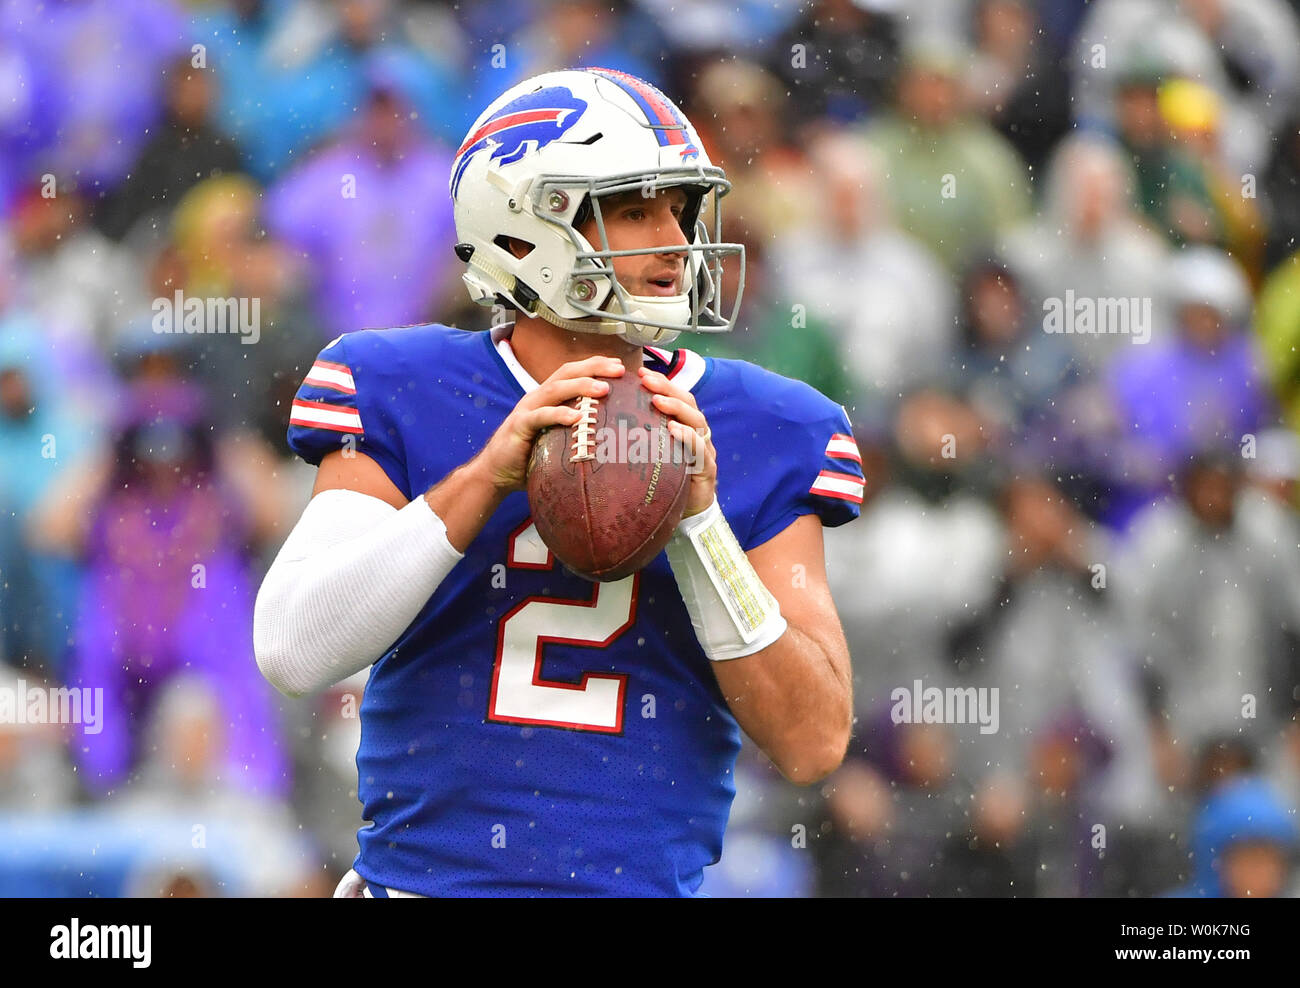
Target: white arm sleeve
<point>350,578</point>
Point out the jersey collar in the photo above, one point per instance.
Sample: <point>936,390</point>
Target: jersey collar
<point>683,367</point>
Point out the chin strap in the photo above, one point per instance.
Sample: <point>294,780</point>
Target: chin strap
<point>600,327</point>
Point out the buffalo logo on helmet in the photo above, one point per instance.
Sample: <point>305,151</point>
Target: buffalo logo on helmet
<point>534,119</point>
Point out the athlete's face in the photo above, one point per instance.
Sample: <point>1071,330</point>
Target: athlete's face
<point>633,221</point>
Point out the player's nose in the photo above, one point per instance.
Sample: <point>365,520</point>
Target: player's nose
<point>671,235</point>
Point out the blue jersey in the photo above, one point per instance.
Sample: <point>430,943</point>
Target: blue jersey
<point>532,733</point>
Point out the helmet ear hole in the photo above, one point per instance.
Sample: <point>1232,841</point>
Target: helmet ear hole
<point>515,246</point>
<point>691,214</point>
<point>583,213</point>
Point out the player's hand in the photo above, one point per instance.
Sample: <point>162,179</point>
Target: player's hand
<point>690,427</point>
<point>505,457</point>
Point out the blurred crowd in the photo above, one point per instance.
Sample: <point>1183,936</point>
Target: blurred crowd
<point>1044,253</point>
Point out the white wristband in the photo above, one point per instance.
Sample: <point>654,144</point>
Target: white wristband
<point>734,614</point>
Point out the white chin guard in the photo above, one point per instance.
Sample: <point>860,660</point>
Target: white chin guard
<point>661,308</point>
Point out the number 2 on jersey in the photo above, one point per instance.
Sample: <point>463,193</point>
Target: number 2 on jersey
<point>519,693</point>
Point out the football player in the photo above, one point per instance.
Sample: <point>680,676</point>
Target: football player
<point>524,731</point>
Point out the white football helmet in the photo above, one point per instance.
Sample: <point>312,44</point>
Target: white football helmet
<point>533,167</point>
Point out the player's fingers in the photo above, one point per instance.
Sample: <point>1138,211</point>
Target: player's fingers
<point>660,384</point>
<point>534,421</point>
<point>559,391</point>
<point>699,451</point>
<point>693,438</point>
<point>688,437</point>
<point>598,366</point>
<point>678,409</point>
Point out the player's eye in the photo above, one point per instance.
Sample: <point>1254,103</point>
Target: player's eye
<point>635,213</point>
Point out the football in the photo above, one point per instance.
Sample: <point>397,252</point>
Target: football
<point>607,492</point>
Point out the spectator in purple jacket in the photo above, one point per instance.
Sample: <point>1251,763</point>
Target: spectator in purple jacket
<point>373,218</point>
<point>1199,388</point>
<point>167,591</point>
